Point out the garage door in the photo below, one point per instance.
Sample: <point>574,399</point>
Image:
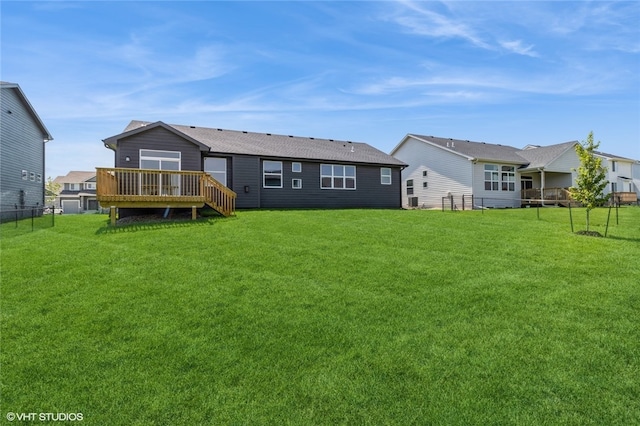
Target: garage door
<point>70,206</point>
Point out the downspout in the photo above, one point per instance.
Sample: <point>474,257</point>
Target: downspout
<point>541,170</point>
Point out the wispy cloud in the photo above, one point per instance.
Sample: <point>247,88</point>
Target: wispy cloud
<point>516,46</point>
<point>420,20</point>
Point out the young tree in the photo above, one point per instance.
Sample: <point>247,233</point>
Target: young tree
<point>51,189</point>
<point>591,179</point>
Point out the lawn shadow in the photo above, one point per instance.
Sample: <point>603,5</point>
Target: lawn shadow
<point>155,224</point>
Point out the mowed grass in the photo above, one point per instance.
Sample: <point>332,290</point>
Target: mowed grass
<point>326,317</point>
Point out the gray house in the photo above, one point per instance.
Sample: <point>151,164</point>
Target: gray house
<point>22,143</point>
<point>77,192</point>
<point>264,170</point>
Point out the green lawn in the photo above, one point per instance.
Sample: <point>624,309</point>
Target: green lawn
<point>326,317</point>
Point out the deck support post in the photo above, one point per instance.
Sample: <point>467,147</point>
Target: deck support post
<point>194,213</point>
<point>112,214</point>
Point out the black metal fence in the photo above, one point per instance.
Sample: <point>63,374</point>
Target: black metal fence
<point>16,221</point>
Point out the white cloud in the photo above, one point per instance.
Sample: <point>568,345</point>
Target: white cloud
<point>516,46</point>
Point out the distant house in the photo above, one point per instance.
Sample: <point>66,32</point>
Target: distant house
<point>263,170</point>
<point>77,192</point>
<point>22,145</point>
<point>461,173</point>
<point>620,177</point>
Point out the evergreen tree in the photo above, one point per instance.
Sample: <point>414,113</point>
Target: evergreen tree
<point>592,179</point>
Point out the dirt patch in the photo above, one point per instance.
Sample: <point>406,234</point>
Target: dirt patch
<point>589,233</point>
<point>153,218</point>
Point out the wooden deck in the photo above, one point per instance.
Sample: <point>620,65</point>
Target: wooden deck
<point>625,198</point>
<point>538,196</point>
<point>142,188</point>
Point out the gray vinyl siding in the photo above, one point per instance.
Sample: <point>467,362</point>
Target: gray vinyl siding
<point>21,148</point>
<point>161,140</point>
<point>246,171</point>
<point>369,192</point>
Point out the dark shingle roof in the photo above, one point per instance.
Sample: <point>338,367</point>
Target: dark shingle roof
<point>478,150</point>
<point>532,156</point>
<point>281,146</point>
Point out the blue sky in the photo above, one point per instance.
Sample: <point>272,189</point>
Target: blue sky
<point>513,73</point>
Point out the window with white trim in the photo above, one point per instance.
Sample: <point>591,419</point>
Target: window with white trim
<point>425,185</point>
<point>337,176</point>
<point>613,166</point>
<point>272,174</point>
<point>296,183</point>
<point>216,167</point>
<point>89,185</point>
<point>491,177</point>
<point>385,175</point>
<point>508,178</point>
<point>25,175</point>
<point>39,178</point>
<point>296,167</point>
<point>32,176</point>
<point>159,183</point>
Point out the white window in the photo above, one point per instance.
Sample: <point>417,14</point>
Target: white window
<point>336,176</point>
<point>272,174</point>
<point>508,178</point>
<point>217,168</point>
<point>613,166</point>
<point>32,176</point>
<point>25,175</point>
<point>39,178</point>
<point>296,183</point>
<point>409,186</point>
<point>296,167</point>
<point>385,176</point>
<point>158,183</point>
<point>89,185</point>
<point>490,177</point>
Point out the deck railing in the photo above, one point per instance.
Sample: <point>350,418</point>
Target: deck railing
<point>546,194</point>
<point>625,198</point>
<point>150,188</point>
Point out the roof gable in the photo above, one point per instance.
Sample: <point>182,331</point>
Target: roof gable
<point>76,177</point>
<point>30,109</point>
<point>135,127</point>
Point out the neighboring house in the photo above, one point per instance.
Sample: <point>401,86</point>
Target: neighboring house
<point>263,169</point>
<point>442,170</point>
<point>620,176</point>
<point>77,192</point>
<point>22,145</point>
<point>635,173</point>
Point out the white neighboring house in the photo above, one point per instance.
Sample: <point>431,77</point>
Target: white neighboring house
<point>442,170</point>
<point>620,174</point>
<point>635,174</point>
<point>77,192</point>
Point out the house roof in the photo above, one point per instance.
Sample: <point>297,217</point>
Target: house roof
<point>476,150</point>
<point>75,177</point>
<point>541,156</point>
<point>532,156</point>
<point>14,86</point>
<point>613,157</point>
<point>269,145</point>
